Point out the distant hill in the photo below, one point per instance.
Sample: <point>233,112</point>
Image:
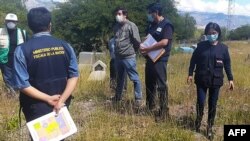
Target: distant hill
<point>202,18</point>
<point>50,4</point>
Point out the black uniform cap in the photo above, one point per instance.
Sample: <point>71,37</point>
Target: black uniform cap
<point>154,7</point>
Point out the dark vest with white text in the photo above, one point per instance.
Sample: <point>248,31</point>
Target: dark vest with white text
<point>47,61</point>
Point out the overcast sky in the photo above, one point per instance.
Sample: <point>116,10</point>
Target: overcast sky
<point>240,7</point>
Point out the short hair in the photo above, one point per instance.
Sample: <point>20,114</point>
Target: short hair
<point>213,26</point>
<point>39,19</point>
<point>155,8</point>
<point>124,11</point>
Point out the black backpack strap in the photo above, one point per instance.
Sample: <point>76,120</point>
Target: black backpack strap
<point>19,116</point>
<point>24,37</point>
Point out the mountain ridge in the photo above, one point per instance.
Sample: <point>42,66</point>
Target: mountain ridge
<point>50,4</point>
<point>202,18</point>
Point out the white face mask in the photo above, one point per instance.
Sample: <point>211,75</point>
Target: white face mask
<point>119,19</point>
<point>11,25</point>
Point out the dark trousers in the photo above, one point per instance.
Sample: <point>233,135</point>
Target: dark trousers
<point>113,75</point>
<point>156,77</point>
<point>212,103</point>
<point>34,111</point>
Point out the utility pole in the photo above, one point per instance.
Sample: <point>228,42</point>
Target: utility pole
<point>229,15</point>
<point>23,2</point>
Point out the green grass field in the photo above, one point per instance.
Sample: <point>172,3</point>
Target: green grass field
<point>98,120</point>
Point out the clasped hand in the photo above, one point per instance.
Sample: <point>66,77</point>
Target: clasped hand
<point>54,100</point>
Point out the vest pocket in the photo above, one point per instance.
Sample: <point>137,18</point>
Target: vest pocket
<point>203,78</point>
<point>218,77</point>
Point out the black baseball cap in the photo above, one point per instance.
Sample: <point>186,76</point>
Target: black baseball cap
<point>154,7</point>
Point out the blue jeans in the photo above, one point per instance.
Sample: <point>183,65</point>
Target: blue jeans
<point>129,66</point>
<point>212,103</point>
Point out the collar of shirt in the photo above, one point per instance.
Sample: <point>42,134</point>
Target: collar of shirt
<point>41,34</point>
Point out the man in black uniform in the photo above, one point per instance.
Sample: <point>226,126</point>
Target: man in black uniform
<point>46,70</point>
<point>156,72</point>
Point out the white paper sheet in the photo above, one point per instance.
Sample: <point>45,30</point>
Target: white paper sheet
<point>155,54</point>
<point>51,127</point>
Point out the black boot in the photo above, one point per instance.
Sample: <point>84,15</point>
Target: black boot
<point>199,112</point>
<point>210,124</point>
<point>150,106</point>
<point>211,117</point>
<point>210,135</point>
<point>197,125</point>
<point>164,110</point>
<point>150,101</point>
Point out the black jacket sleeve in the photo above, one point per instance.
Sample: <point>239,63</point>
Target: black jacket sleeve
<point>227,64</point>
<point>193,62</point>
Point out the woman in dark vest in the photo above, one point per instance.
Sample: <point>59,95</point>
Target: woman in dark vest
<point>208,60</point>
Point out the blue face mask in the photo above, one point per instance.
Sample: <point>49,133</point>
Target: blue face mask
<point>212,38</point>
<point>150,18</point>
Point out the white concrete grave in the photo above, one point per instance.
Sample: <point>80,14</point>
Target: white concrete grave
<point>89,58</point>
<point>98,71</point>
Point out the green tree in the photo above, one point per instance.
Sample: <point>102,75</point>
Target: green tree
<point>13,6</point>
<point>223,34</point>
<point>87,24</point>
<point>241,33</point>
<point>186,27</point>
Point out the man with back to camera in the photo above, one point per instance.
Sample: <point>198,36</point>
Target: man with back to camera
<point>10,37</point>
<point>45,68</point>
